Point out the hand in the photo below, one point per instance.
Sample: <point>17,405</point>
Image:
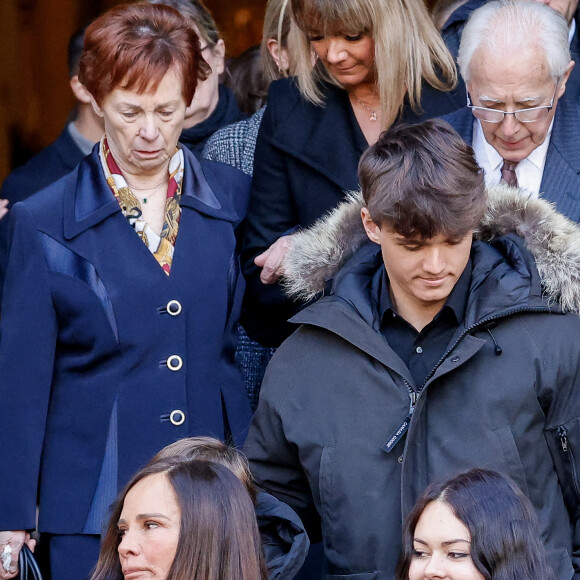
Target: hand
<point>272,260</point>
<point>15,540</point>
<point>3,212</point>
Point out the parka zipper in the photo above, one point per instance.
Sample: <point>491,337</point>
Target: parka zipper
<point>568,452</point>
<point>467,331</point>
<point>414,395</point>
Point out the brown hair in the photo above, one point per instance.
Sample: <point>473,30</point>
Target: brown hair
<point>218,535</point>
<point>211,449</point>
<point>134,45</point>
<point>408,48</point>
<point>423,180</point>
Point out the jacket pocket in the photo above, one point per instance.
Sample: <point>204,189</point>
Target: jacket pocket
<point>562,442</point>
<point>512,457</point>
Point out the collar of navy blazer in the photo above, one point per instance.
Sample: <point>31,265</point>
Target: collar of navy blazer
<point>88,199</point>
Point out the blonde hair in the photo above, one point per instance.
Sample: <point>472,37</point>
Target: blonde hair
<point>211,449</point>
<point>276,27</point>
<point>408,49</point>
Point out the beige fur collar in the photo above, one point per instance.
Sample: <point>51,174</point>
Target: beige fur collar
<point>321,250</point>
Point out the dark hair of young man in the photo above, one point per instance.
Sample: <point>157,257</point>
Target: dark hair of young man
<point>422,181</point>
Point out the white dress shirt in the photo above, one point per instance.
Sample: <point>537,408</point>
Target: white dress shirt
<point>529,171</point>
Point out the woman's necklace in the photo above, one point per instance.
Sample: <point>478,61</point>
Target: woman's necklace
<point>373,113</point>
<point>154,192</point>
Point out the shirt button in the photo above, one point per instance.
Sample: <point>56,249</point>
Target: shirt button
<point>418,350</point>
<point>174,307</point>
<point>400,460</point>
<point>174,362</point>
<point>177,417</point>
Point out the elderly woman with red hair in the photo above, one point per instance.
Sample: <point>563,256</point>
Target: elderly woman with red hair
<point>121,296</point>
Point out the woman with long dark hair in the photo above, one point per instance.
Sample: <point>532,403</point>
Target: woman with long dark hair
<point>182,520</point>
<point>476,526</point>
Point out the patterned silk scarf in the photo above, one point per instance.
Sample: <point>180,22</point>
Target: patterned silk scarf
<point>162,246</point>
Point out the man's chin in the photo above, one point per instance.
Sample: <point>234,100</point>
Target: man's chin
<point>514,152</point>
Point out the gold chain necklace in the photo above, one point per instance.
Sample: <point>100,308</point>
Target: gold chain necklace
<point>154,193</point>
<point>373,113</point>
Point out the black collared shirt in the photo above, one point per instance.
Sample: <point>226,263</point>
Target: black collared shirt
<point>420,351</point>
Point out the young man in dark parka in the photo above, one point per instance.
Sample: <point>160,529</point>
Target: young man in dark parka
<point>449,341</point>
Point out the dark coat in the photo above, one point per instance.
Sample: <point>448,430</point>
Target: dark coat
<point>561,177</point>
<point>306,159</point>
<point>336,393</point>
<point>52,163</point>
<point>86,327</point>
<point>225,113</point>
<point>284,538</point>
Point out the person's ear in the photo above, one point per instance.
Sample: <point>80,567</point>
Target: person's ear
<point>564,78</point>
<point>96,108</point>
<point>219,56</point>
<point>371,228</point>
<point>279,54</point>
<point>79,91</point>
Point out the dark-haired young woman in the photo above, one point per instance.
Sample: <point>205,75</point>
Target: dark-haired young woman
<point>475,526</point>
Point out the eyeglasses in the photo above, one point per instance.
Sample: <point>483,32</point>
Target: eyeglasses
<point>522,115</point>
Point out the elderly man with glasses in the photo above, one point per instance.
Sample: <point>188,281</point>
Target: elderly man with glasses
<point>515,59</point>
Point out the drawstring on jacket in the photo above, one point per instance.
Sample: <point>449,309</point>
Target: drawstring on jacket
<point>498,349</point>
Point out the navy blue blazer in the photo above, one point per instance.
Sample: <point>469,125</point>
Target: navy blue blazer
<point>306,158</point>
<point>561,177</point>
<point>90,323</point>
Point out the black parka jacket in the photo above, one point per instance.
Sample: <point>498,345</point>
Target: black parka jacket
<point>505,396</point>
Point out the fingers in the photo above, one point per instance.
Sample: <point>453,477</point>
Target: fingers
<point>260,259</point>
<point>31,543</point>
<point>272,260</point>
<point>10,544</point>
<point>9,557</point>
<point>3,207</point>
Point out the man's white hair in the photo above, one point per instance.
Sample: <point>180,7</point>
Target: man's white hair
<point>512,26</point>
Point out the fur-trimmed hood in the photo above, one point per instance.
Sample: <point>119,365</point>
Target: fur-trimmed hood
<point>321,250</point>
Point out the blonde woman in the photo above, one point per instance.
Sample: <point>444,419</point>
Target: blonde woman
<point>360,65</point>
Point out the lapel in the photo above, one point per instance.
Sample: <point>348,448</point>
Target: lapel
<point>88,199</point>
<point>324,138</point>
<point>561,179</point>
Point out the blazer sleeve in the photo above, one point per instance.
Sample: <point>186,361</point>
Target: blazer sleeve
<point>271,214</point>
<point>28,333</point>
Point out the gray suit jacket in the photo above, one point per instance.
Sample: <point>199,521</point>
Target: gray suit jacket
<point>561,178</point>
